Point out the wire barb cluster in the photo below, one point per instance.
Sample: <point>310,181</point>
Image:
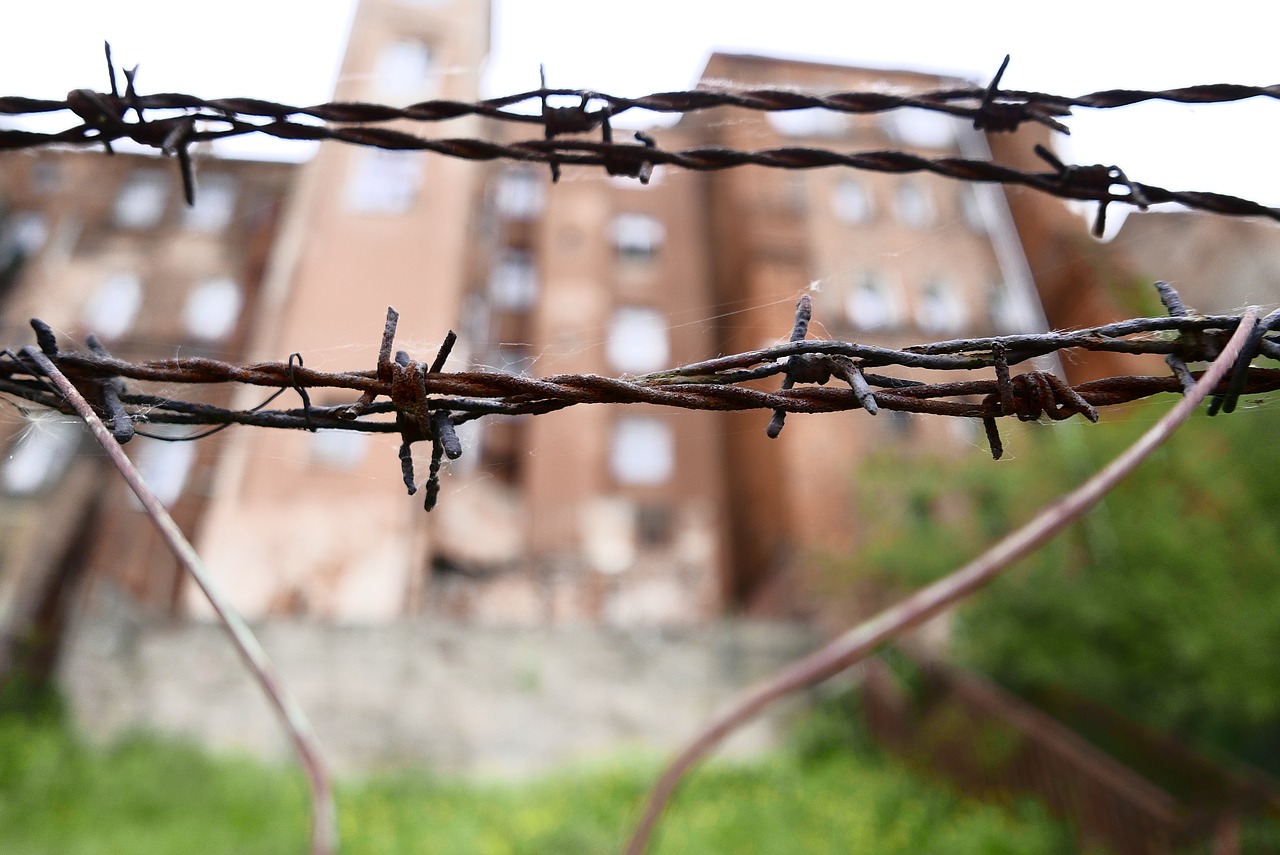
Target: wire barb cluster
<point>422,402</point>
<point>172,122</point>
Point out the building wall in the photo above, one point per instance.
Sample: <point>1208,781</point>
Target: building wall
<point>610,515</point>
<point>890,260</point>
<point>452,698</point>
<point>319,524</point>
<point>1079,280</point>
<point>1218,264</point>
<point>106,245</point>
<point>594,514</point>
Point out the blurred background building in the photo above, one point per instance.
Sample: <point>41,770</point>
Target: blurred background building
<point>104,245</point>
<point>592,517</point>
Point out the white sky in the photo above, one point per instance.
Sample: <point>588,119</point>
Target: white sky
<point>288,50</point>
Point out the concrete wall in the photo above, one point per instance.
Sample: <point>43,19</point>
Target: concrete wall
<point>448,698</point>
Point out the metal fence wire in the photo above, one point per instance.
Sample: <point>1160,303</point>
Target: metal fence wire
<point>172,122</point>
<point>421,402</point>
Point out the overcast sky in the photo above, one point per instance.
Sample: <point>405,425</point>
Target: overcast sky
<point>288,50</point>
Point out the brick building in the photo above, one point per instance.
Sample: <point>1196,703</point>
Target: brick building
<point>99,244</point>
<point>593,515</point>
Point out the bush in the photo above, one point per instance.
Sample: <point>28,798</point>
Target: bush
<point>1162,603</point>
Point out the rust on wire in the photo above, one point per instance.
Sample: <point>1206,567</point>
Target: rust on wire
<point>975,103</point>
<point>1173,303</point>
<point>109,391</point>
<point>104,118</point>
<point>804,313</point>
<point>422,402</point>
<point>819,368</point>
<point>1239,377</point>
<point>417,417</point>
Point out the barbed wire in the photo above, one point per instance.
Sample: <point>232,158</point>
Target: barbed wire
<point>426,403</point>
<point>988,107</point>
<point>104,118</point>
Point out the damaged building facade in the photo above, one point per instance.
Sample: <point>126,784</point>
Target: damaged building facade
<point>615,518</point>
<point>595,515</point>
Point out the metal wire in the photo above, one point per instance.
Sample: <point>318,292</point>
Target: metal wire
<point>171,122</point>
<point>421,402</point>
<point>980,104</point>
<point>426,403</point>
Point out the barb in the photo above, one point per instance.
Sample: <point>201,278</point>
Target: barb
<point>422,402</point>
<point>795,364</point>
<point>859,642</point>
<point>171,122</point>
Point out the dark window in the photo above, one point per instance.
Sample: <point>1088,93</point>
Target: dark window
<point>637,237</point>
<point>654,525</point>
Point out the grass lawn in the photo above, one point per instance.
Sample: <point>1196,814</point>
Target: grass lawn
<point>150,795</point>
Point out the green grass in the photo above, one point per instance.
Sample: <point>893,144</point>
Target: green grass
<point>149,795</point>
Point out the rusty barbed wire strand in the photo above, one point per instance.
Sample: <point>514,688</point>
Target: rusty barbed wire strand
<point>1088,183</point>
<point>426,403</point>
<point>104,119</point>
<point>983,103</point>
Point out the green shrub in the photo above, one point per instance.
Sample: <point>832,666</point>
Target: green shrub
<point>1164,602</point>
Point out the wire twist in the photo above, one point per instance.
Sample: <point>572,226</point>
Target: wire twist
<point>172,122</point>
<point>422,402</point>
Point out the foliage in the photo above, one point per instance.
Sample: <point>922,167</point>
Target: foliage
<point>59,796</point>
<point>151,796</point>
<point>1163,603</point>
